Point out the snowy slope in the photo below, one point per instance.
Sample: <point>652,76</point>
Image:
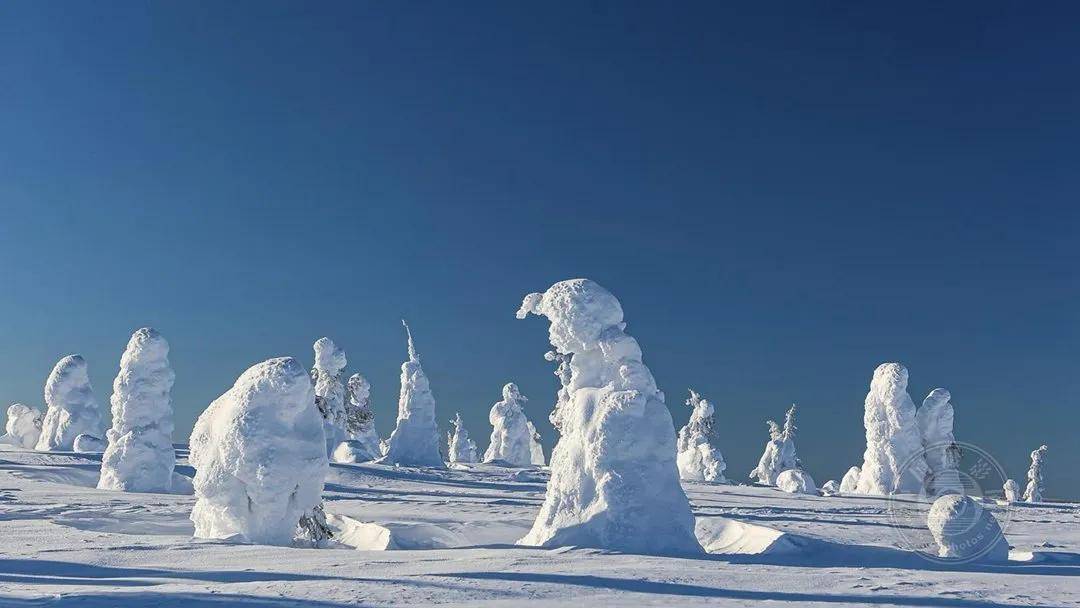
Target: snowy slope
<point>449,537</point>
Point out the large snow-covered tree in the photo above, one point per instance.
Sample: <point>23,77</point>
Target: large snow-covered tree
<point>326,375</point>
<point>935,422</point>
<point>614,481</point>
<point>259,454</point>
<point>415,440</point>
<point>140,456</point>
<point>698,460</point>
<point>1035,488</point>
<point>72,408</point>
<point>23,427</point>
<point>779,454</point>
<point>511,441</point>
<point>893,460</point>
<point>461,448</point>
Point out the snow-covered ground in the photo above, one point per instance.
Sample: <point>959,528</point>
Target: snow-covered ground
<point>448,538</point>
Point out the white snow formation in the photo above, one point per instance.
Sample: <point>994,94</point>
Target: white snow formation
<point>1035,488</point>
<point>850,482</point>
<point>935,422</point>
<point>964,530</point>
<point>72,409</point>
<point>23,427</point>
<point>85,443</point>
<point>140,456</point>
<point>796,481</point>
<point>1011,490</point>
<point>461,448</point>
<point>415,441</point>
<point>329,390</point>
<point>536,448</point>
<point>260,456</point>
<point>698,460</point>
<point>614,481</point>
<point>511,441</point>
<point>562,397</point>
<point>360,419</point>
<point>830,488</point>
<point>893,460</point>
<point>779,454</point>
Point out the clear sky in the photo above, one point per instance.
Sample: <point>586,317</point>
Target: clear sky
<point>782,197</point>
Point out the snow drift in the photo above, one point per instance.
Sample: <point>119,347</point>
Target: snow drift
<point>72,408</point>
<point>23,427</point>
<point>698,460</point>
<point>963,529</point>
<point>415,440</point>
<point>893,460</point>
<point>511,440</point>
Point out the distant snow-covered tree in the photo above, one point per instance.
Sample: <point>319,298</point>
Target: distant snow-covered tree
<point>698,460</point>
<point>415,441</point>
<point>460,447</point>
<point>140,456</point>
<point>1011,490</point>
<point>779,454</point>
<point>326,375</point>
<point>1035,488</point>
<point>364,442</point>
<point>850,482</point>
<point>536,448</point>
<point>72,408</point>
<point>23,427</point>
<point>893,460</point>
<point>935,422</point>
<point>511,441</point>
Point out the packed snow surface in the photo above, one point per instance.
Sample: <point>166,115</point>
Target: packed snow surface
<point>23,427</point>
<point>511,439</point>
<point>963,529</point>
<point>697,458</point>
<point>140,456</point>
<point>260,456</point>
<point>72,408</point>
<point>614,480</point>
<point>893,460</point>
<point>415,440</point>
<point>935,422</point>
<point>796,481</point>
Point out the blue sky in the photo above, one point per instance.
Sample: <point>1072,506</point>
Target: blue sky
<point>782,197</point>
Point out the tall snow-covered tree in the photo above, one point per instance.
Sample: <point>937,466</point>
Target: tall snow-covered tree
<point>23,427</point>
<point>614,481</point>
<point>140,456</point>
<point>259,454</point>
<point>511,441</point>
<point>360,420</point>
<point>698,460</point>
<point>1035,488</point>
<point>893,460</point>
<point>460,447</point>
<point>415,441</point>
<point>72,408</point>
<point>326,375</point>
<point>935,422</point>
<point>536,448</point>
<point>779,454</point>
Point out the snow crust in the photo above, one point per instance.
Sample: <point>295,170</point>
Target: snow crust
<point>415,441</point>
<point>85,443</point>
<point>140,456</point>
<point>72,408</point>
<point>460,447</point>
<point>614,480</point>
<point>935,422</point>
<point>1035,485</point>
<point>330,361</point>
<point>360,419</point>
<point>850,482</point>
<point>698,460</point>
<point>511,440</point>
<point>779,454</point>
<point>963,529</point>
<point>260,456</point>
<point>23,427</point>
<point>893,460</point>
<point>796,481</point>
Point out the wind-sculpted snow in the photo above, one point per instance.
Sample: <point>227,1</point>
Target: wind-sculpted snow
<point>935,422</point>
<point>72,408</point>
<point>360,419</point>
<point>140,456</point>
<point>260,456</point>
<point>850,482</point>
<point>1034,490</point>
<point>893,460</point>
<point>329,390</point>
<point>23,427</point>
<point>415,440</point>
<point>614,481</point>
<point>779,454</point>
<point>460,447</point>
<point>697,459</point>
<point>964,530</point>
<point>511,441</point>
<point>796,481</point>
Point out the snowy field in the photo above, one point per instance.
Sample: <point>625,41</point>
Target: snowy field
<point>426,536</point>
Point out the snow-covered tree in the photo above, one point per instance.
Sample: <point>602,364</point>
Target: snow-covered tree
<point>893,460</point>
<point>698,460</point>
<point>259,454</point>
<point>23,427</point>
<point>830,488</point>
<point>562,372</point>
<point>779,454</point>
<point>1011,490</point>
<point>1035,488</point>
<point>614,481</point>
<point>415,441</point>
<point>140,456</point>
<point>461,448</point>
<point>363,443</point>
<point>796,481</point>
<point>72,408</point>
<point>850,482</point>
<point>935,422</point>
<point>536,448</point>
<point>329,391</point>
<point>511,441</point>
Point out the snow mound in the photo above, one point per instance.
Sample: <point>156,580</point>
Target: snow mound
<point>369,536</point>
<point>415,440</point>
<point>23,427</point>
<point>849,484</point>
<point>511,440</point>
<point>140,456</point>
<point>614,480</point>
<point>698,460</point>
<point>260,456</point>
<point>893,461</point>
<point>72,408</point>
<point>352,451</point>
<point>830,488</point>
<point>86,443</point>
<point>723,536</point>
<point>964,530</point>
<point>796,481</point>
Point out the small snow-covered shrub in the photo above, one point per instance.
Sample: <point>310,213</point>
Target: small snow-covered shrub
<point>329,391</point>
<point>614,481</point>
<point>796,481</point>
<point>830,488</point>
<point>779,454</point>
<point>140,456</point>
<point>963,529</point>
<point>850,482</point>
<point>72,408</point>
<point>935,422</point>
<point>698,460</point>
<point>511,441</point>
<point>23,427</point>
<point>893,461</point>
<point>260,456</point>
<point>461,448</point>
<point>1011,490</point>
<point>360,419</point>
<point>415,440</point>
<point>1034,490</point>
<point>85,443</point>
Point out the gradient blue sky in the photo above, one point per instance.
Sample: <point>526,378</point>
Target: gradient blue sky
<point>782,196</point>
